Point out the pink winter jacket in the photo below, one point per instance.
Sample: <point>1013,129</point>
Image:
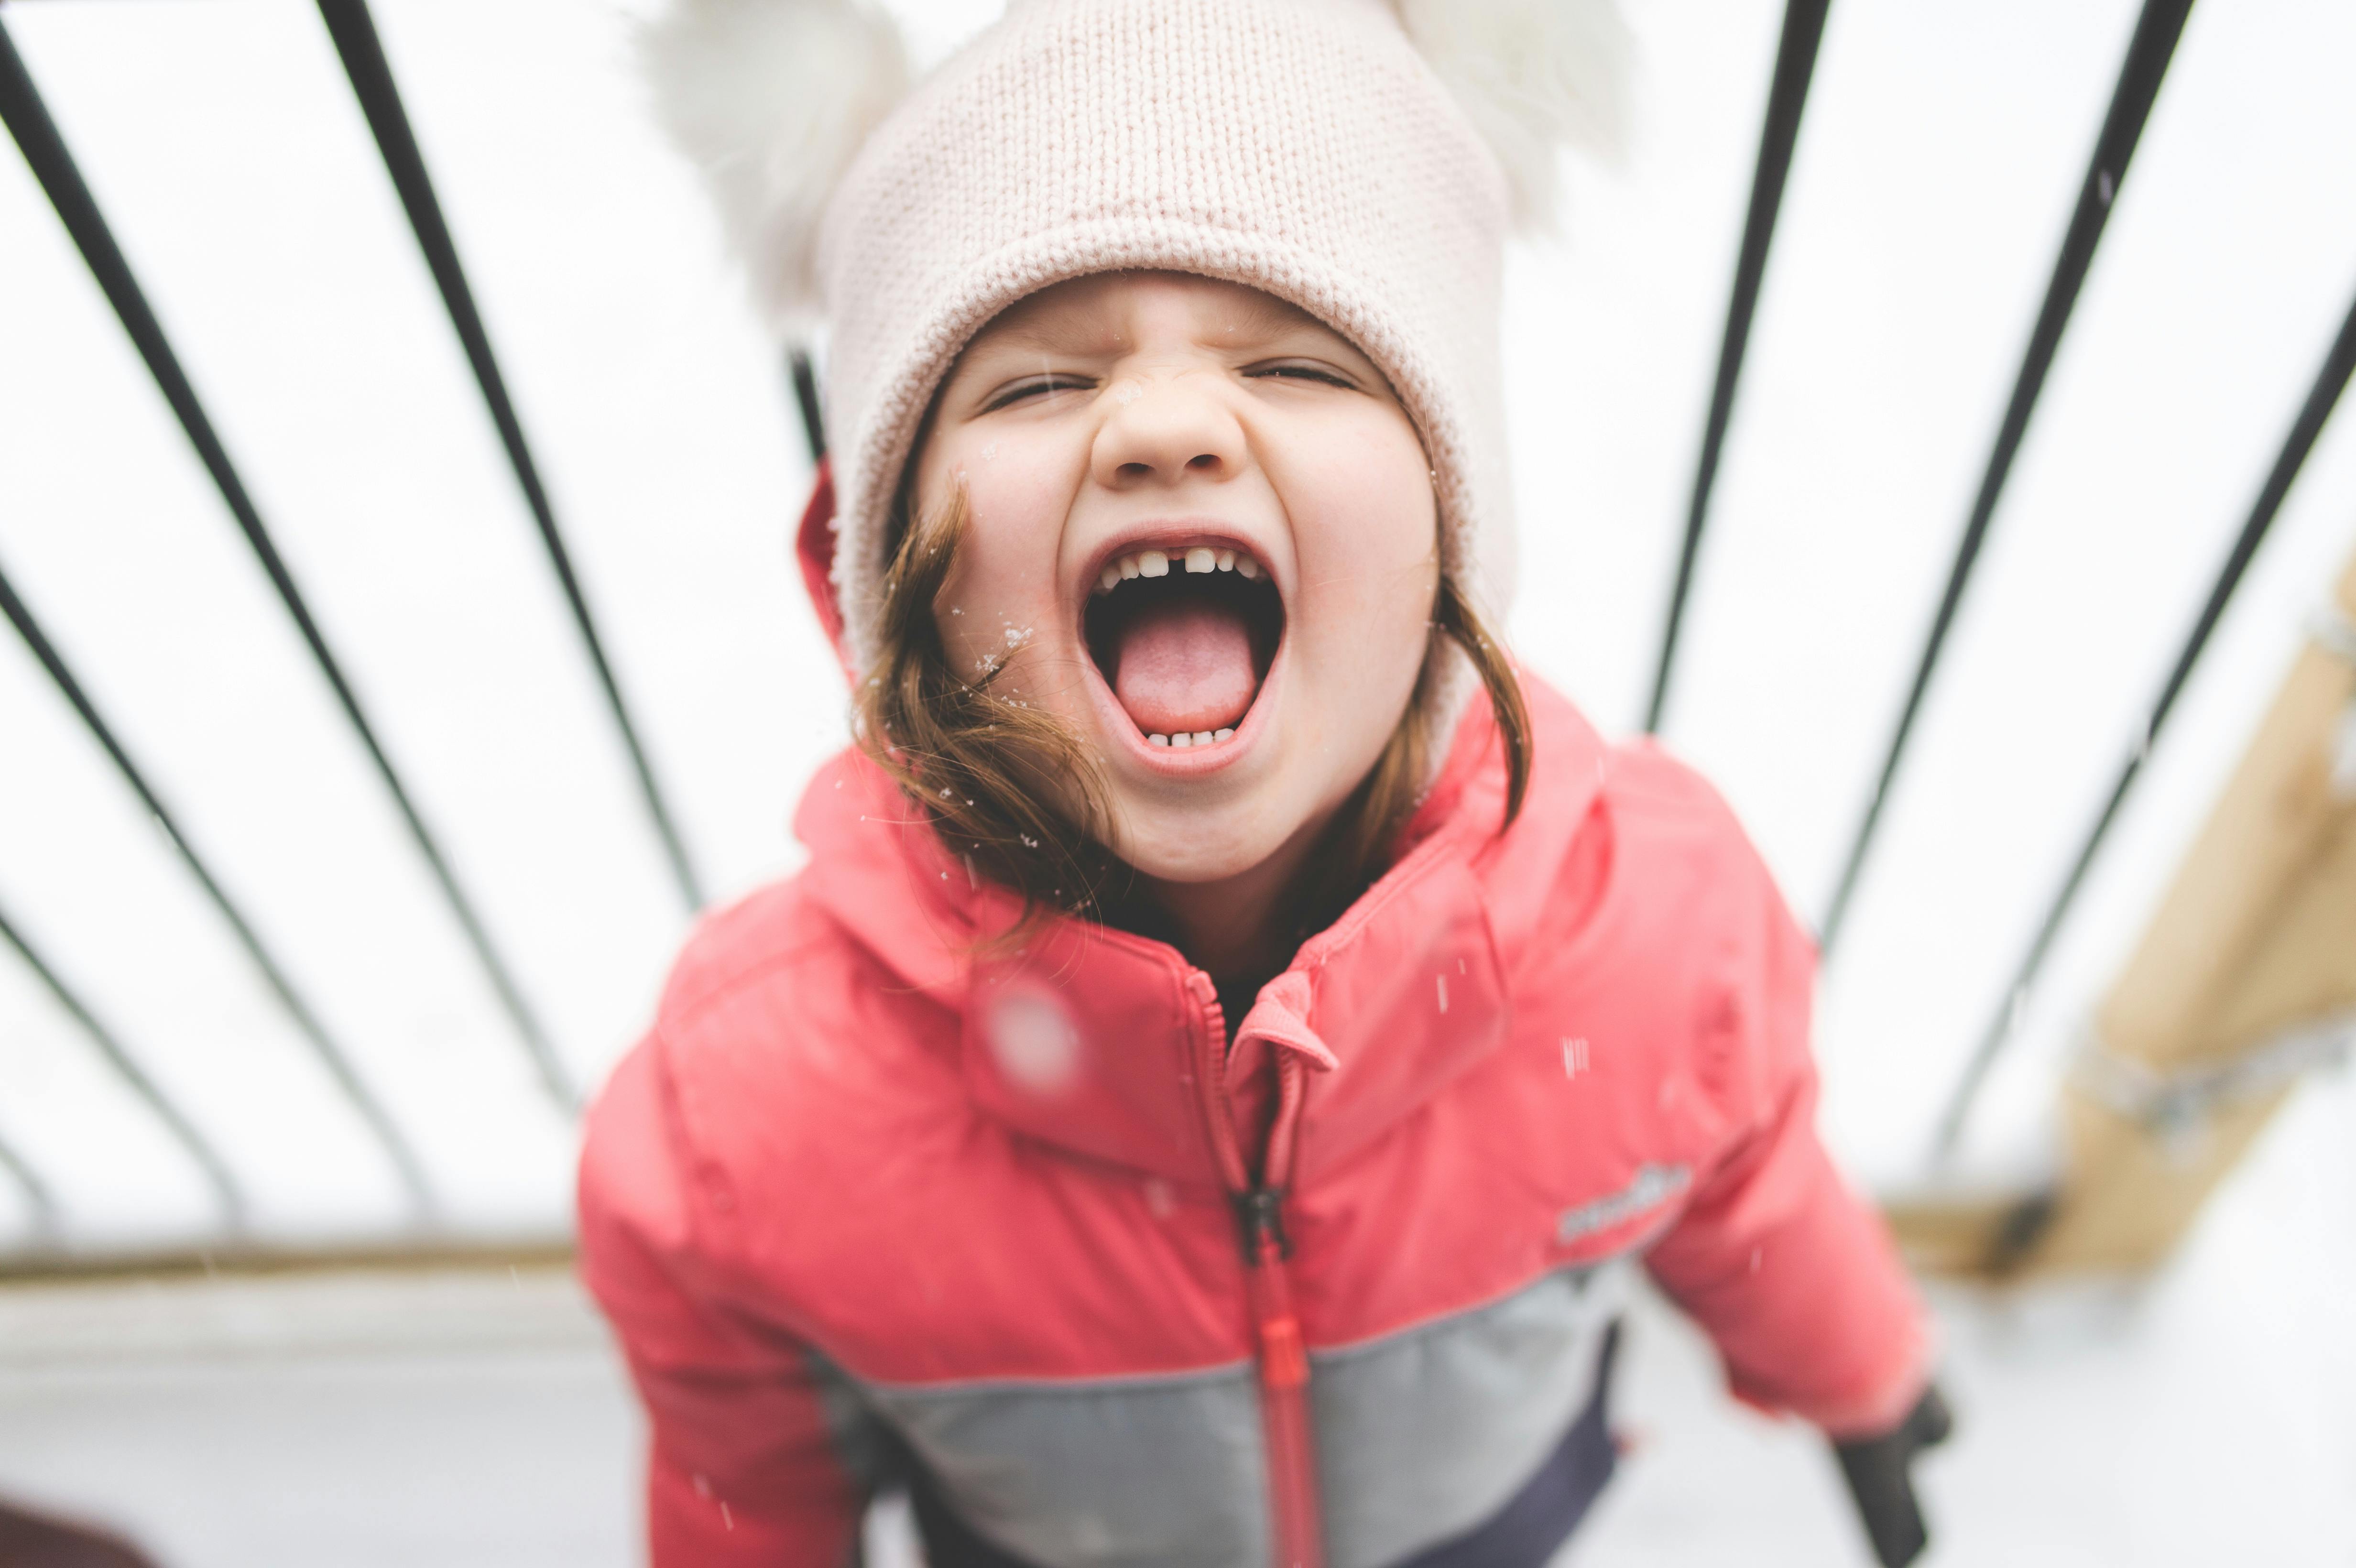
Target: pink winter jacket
<point>1030,1239</point>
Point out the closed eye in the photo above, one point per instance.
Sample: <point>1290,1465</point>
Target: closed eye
<point>1298,370</point>
<point>1036,385</point>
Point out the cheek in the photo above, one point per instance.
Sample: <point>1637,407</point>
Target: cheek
<point>1004,577</point>
<point>1361,488</point>
<point>1366,526</point>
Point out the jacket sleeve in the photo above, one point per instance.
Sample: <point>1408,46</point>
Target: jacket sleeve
<point>742,1466</point>
<point>1788,1269</point>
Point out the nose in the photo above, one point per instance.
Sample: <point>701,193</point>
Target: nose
<point>1168,431</point>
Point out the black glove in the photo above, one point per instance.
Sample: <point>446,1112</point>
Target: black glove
<point>1877,1471</point>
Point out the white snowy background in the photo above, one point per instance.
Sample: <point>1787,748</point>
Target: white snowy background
<point>1942,147</point>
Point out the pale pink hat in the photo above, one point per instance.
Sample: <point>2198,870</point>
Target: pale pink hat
<point>1361,159</point>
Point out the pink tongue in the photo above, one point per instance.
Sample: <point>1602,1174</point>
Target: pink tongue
<point>1183,667</point>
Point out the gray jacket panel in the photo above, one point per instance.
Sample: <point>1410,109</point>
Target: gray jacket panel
<point>1420,1436</point>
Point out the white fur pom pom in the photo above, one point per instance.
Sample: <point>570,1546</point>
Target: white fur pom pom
<point>773,99</point>
<point>1534,74</point>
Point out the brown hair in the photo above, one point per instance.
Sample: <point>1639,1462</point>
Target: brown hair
<point>1022,798</point>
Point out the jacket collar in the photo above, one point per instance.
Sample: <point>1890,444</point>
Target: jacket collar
<point>1112,1046</point>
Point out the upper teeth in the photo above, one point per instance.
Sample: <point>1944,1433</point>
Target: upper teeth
<point>1156,563</point>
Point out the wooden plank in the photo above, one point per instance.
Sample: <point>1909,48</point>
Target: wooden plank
<point>247,1259</point>
<point>2256,935</point>
<point>2133,1190</point>
<point>2168,1005</point>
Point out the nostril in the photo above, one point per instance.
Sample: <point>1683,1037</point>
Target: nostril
<point>1137,470</point>
<point>1203,460</point>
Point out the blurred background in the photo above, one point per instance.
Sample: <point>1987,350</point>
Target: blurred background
<point>301,979</point>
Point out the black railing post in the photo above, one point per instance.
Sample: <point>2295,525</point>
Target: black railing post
<point>805,379</point>
<point>2338,364</point>
<point>1795,66</point>
<point>40,1203</point>
<point>355,35</point>
<point>2148,52</point>
<point>339,1067</point>
<point>36,136</point>
<point>227,1194</point>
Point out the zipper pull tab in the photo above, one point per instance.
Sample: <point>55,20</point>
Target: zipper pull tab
<point>1260,1219</point>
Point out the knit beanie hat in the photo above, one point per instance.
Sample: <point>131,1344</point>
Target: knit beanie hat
<point>1362,159</point>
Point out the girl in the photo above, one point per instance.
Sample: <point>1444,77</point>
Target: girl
<point>1236,1034</point>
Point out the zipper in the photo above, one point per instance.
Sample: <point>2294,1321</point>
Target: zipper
<point>1283,1359</point>
<point>1283,1381</point>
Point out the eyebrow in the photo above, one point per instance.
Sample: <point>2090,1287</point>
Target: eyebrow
<point>1265,315</point>
<point>1257,317</point>
<point>1043,338</point>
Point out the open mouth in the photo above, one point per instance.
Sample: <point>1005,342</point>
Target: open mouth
<point>1184,637</point>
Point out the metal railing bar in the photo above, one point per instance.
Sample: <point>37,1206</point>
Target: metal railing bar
<point>37,1196</point>
<point>805,379</point>
<point>2338,364</point>
<point>1787,97</point>
<point>2149,53</point>
<point>227,1191</point>
<point>331,1055</point>
<point>356,40</point>
<point>36,135</point>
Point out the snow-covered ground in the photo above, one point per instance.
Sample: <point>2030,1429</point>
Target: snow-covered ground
<point>1941,149</point>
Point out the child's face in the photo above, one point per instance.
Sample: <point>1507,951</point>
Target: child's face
<point>1260,503</point>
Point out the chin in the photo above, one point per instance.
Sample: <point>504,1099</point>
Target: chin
<point>1200,846</point>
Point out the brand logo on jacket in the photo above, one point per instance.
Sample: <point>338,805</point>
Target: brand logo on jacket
<point>1651,1185</point>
